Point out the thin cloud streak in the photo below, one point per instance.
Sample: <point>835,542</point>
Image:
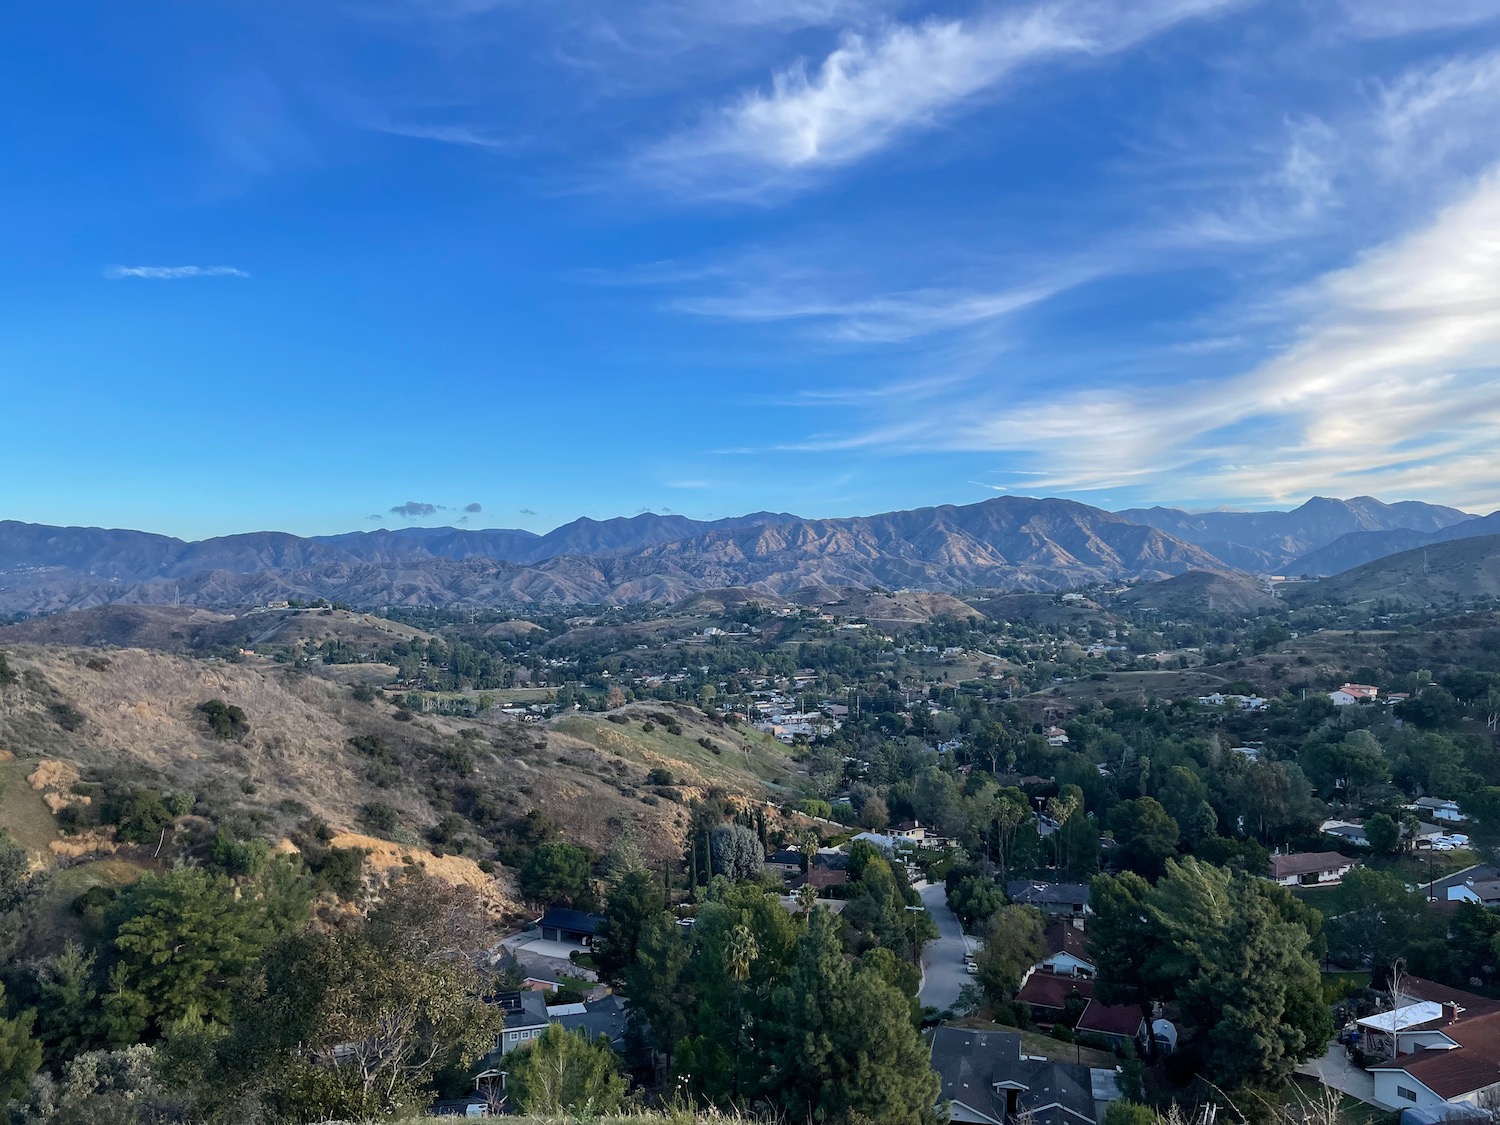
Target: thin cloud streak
<point>170,273</point>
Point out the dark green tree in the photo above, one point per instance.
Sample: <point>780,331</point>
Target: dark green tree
<point>633,901</point>
<point>1014,940</point>
<point>20,1053</point>
<point>563,1073</point>
<point>557,874</point>
<point>841,1047</point>
<point>1383,833</point>
<point>1146,837</point>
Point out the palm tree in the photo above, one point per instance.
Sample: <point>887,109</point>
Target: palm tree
<point>740,953</point>
<point>807,898</point>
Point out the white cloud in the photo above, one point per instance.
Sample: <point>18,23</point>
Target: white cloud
<point>446,134</point>
<point>171,273</point>
<point>1392,384</point>
<point>881,318</point>
<point>1379,18</point>
<point>877,86</point>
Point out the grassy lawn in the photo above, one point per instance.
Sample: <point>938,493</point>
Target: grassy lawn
<point>58,920</point>
<point>1418,869</point>
<point>1035,1043</point>
<point>23,813</point>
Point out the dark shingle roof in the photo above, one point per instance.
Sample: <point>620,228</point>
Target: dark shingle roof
<point>1064,937</point>
<point>524,1008</point>
<point>605,1016</point>
<point>970,1064</point>
<point>1028,893</point>
<point>579,921</point>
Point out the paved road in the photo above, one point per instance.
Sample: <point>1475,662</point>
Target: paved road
<point>943,972</point>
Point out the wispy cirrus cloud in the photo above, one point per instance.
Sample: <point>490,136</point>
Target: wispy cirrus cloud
<point>1390,383</point>
<point>448,134</point>
<point>1406,17</point>
<point>170,273</point>
<point>876,86</point>
<point>879,318</point>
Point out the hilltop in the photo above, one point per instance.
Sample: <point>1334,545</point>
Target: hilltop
<point>1459,570</point>
<point>1198,593</point>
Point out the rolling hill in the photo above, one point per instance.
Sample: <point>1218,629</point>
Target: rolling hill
<point>1358,548</point>
<point>1199,593</point>
<point>1461,569</point>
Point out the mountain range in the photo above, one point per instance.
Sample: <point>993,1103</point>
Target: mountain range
<point>1007,542</point>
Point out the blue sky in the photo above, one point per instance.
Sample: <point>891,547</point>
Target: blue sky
<point>276,265</point>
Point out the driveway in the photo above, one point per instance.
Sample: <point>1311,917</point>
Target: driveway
<point>943,972</point>
<point>1336,1071</point>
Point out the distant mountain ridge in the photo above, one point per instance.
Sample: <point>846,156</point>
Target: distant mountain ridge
<point>1006,543</point>
<point>1272,542</point>
<point>1358,548</point>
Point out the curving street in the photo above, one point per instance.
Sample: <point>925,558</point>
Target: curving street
<point>943,971</point>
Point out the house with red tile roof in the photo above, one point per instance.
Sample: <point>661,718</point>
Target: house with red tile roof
<point>1445,1045</point>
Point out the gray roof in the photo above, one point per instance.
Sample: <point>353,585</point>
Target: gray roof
<point>977,1068</point>
<point>1030,893</point>
<point>523,1008</point>
<point>605,1016</point>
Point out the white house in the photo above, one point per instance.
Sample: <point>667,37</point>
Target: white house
<point>1486,892</point>
<point>1456,1064</point>
<point>1341,698</point>
<point>1440,809</point>
<point>1310,869</point>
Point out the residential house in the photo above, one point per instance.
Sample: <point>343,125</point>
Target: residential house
<point>1067,950</point>
<point>909,830</point>
<point>607,1016</point>
<point>1116,1024</point>
<point>1310,869</point>
<point>1249,753</point>
<point>1350,832</point>
<point>571,927</point>
<point>1439,809</point>
<point>1354,693</point>
<point>1066,899</point>
<point>525,1018</point>
<point>785,862</point>
<point>1048,995</point>
<point>1455,1061</point>
<point>1486,892</point>
<point>1056,736</point>
<point>1213,699</point>
<point>881,842</point>
<point>986,1078</point>
<point>821,877</point>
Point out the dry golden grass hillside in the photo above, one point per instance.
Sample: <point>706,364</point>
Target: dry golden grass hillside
<point>129,717</point>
